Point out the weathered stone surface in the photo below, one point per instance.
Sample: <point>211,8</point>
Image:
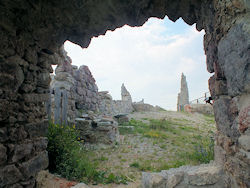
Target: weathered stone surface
<point>34,165</point>
<point>9,175</point>
<point>108,106</point>
<point>3,154</point>
<point>233,54</point>
<point>97,130</point>
<point>153,180</point>
<point>17,133</point>
<point>204,176</point>
<point>244,142</point>
<point>40,144</point>
<point>37,129</point>
<point>21,151</point>
<point>3,134</point>
<point>185,176</point>
<point>244,119</point>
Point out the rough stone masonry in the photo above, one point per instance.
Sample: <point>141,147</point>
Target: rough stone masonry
<point>32,31</point>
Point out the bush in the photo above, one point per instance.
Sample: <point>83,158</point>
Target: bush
<point>68,158</point>
<point>204,150</point>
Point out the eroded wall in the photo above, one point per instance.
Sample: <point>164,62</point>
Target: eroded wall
<point>31,31</point>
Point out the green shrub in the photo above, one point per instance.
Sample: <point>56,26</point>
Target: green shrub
<point>68,158</point>
<point>204,150</point>
<point>135,164</point>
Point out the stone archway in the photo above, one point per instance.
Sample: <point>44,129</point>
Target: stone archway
<point>32,31</point>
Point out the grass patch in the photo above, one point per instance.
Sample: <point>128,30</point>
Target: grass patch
<point>209,118</point>
<point>69,159</point>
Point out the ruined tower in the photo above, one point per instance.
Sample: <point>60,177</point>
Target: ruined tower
<point>183,97</point>
<point>125,94</point>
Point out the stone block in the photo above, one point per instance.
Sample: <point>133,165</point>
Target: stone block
<point>244,142</point>
<point>233,57</point>
<point>153,180</point>
<point>17,133</point>
<point>34,165</point>
<point>222,115</point>
<point>204,176</point>
<point>174,179</point>
<point>244,119</point>
<point>9,175</point>
<point>3,134</point>
<point>37,129</point>
<point>35,98</point>
<point>3,154</point>
<point>40,144</point>
<point>43,79</point>
<point>220,87</point>
<point>21,151</point>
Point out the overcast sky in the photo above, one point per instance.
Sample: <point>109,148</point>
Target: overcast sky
<point>149,60</point>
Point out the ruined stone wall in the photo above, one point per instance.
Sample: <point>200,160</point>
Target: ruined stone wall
<point>63,79</point>
<point>24,86</point>
<point>108,106</point>
<point>79,83</point>
<point>86,90</point>
<point>230,87</point>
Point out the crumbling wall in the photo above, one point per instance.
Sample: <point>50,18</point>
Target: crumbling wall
<point>79,84</point>
<point>24,87</point>
<point>108,106</point>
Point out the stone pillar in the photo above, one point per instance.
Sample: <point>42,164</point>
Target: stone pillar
<point>24,81</point>
<point>183,96</point>
<point>230,87</point>
<point>125,94</point>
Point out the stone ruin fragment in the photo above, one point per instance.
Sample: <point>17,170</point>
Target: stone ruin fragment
<point>183,96</point>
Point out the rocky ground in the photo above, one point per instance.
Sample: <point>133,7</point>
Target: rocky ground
<point>144,147</point>
<point>152,150</point>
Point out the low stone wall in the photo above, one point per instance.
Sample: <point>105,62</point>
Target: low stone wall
<point>205,175</point>
<point>122,107</point>
<point>199,108</point>
<point>108,106</point>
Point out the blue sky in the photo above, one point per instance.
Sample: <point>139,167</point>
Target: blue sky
<point>149,60</point>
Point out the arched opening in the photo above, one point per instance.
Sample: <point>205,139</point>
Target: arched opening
<point>151,139</point>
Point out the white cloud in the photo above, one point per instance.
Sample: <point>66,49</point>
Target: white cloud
<point>148,59</point>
